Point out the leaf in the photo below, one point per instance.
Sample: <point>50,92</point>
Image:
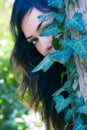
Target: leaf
<point>66,87</point>
<point>71,68</point>
<point>79,101</point>
<point>44,64</point>
<point>78,125</point>
<point>68,114</point>
<point>75,86</point>
<point>60,17</point>
<point>52,29</point>
<point>76,22</point>
<point>56,3</point>
<point>47,16</point>
<point>82,109</point>
<point>73,0</point>
<point>65,42</point>
<point>55,43</point>
<point>62,56</point>
<point>61,103</point>
<point>79,46</point>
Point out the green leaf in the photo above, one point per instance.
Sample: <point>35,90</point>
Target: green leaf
<point>76,22</point>
<point>79,46</point>
<point>60,17</point>
<point>82,109</point>
<point>78,125</point>
<point>56,3</point>
<point>47,16</point>
<point>68,114</point>
<point>56,44</point>
<point>62,56</point>
<point>44,64</point>
<point>61,103</point>
<point>51,30</point>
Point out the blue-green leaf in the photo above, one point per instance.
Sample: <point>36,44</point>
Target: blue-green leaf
<point>66,87</point>
<point>75,86</point>
<point>61,103</point>
<point>79,46</point>
<point>47,16</point>
<point>62,56</point>
<point>56,3</point>
<point>68,114</point>
<point>44,64</point>
<point>60,17</point>
<point>73,0</point>
<point>79,101</point>
<point>65,42</point>
<point>71,68</point>
<point>78,125</point>
<point>76,22</point>
<point>82,109</point>
<point>51,30</point>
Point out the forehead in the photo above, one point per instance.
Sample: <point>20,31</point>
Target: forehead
<point>31,21</point>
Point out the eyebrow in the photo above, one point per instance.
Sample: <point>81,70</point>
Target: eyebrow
<point>38,27</point>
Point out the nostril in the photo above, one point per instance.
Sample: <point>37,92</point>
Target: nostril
<point>49,47</point>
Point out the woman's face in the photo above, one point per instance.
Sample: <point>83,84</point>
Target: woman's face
<point>32,27</point>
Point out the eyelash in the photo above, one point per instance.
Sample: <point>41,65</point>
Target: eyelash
<point>35,40</point>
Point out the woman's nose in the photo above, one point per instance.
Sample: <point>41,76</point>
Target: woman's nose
<point>46,41</point>
<point>46,44</point>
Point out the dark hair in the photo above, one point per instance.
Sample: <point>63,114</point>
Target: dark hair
<point>40,85</point>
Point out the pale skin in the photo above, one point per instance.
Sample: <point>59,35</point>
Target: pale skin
<point>32,26</point>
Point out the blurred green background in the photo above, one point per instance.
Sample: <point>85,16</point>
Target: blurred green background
<point>13,115</point>
<point>11,110</point>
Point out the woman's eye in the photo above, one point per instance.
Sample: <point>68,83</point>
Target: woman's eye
<point>34,41</point>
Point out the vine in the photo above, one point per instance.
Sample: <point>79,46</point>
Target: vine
<point>71,45</point>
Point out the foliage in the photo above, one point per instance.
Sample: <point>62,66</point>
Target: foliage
<point>11,110</point>
<point>67,46</point>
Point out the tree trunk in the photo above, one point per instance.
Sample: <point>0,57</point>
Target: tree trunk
<point>81,63</point>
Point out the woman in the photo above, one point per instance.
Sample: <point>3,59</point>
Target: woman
<point>29,49</point>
